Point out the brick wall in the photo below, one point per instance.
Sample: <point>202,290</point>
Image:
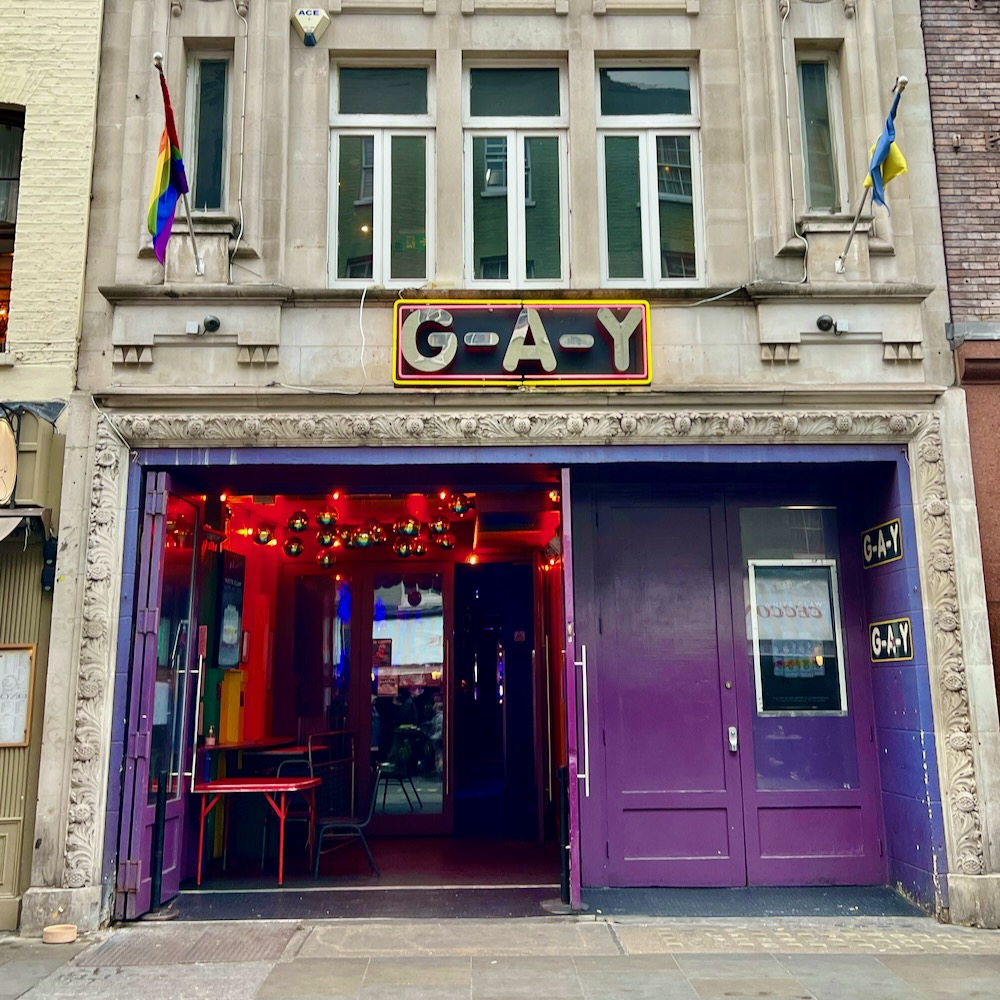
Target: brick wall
<point>962,40</point>
<point>49,67</point>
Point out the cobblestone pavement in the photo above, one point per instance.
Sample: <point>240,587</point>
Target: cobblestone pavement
<point>580,958</point>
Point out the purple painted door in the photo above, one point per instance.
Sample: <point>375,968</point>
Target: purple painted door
<point>662,700</point>
<point>709,765</point>
<point>159,701</point>
<point>810,781</point>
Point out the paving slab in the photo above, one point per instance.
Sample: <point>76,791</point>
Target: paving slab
<point>749,989</point>
<point>230,981</point>
<point>875,935</point>
<point>546,936</point>
<point>304,978</point>
<point>835,977</point>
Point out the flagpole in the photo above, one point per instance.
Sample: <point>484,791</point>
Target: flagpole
<point>841,260</point>
<point>199,261</point>
<point>839,266</point>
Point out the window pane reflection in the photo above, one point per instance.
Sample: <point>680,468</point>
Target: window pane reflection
<point>541,212</point>
<point>408,226</point>
<point>675,195</point>
<point>624,211</point>
<point>356,174</point>
<point>489,206</point>
<point>407,723</point>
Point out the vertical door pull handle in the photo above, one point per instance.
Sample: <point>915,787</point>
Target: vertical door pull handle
<point>582,664</point>
<point>733,739</point>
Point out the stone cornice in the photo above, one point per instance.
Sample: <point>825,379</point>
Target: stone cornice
<point>745,294</point>
<point>920,430</point>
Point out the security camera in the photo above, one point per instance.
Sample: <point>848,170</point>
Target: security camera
<point>212,323</point>
<point>824,323</point>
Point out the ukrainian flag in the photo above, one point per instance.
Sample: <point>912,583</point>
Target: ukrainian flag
<point>170,181</point>
<point>887,161</point>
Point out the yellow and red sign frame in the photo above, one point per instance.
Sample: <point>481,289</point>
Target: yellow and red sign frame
<point>484,311</point>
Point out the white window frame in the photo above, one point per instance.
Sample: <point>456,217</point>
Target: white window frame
<point>192,126</point>
<point>835,109</point>
<point>383,127</point>
<point>515,129</point>
<point>646,128</point>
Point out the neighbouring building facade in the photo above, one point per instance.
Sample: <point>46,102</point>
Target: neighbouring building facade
<point>48,102</point>
<point>509,411</point>
<point>966,142</point>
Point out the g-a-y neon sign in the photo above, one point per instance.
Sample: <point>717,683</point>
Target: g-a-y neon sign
<point>521,342</point>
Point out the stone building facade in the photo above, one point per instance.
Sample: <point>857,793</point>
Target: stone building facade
<point>48,101</point>
<point>700,163</point>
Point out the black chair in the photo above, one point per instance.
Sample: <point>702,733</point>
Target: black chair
<point>347,828</point>
<point>409,755</point>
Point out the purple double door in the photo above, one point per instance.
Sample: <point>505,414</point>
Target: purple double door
<point>691,784</point>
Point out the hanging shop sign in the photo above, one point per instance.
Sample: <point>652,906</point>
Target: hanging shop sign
<point>891,640</point>
<point>882,544</point>
<point>517,342</point>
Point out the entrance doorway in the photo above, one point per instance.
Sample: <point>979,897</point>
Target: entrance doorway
<point>392,637</point>
<point>730,728</point>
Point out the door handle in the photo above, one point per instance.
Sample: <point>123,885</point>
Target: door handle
<point>582,664</point>
<point>733,739</point>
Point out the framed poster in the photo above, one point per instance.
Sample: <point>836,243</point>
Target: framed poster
<point>17,682</point>
<point>795,629</point>
<point>230,609</point>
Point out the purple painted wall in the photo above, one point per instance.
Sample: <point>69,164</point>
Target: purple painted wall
<point>911,795</point>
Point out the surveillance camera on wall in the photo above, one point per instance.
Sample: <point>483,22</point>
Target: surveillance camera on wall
<point>824,323</point>
<point>212,323</point>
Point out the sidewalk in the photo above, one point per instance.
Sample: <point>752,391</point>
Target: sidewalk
<point>829,958</point>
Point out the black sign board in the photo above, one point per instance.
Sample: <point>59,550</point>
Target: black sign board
<point>891,640</point>
<point>517,342</point>
<point>882,544</point>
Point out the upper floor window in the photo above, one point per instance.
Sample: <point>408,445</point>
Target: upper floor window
<point>207,153</point>
<point>11,141</point>
<point>381,155</point>
<point>821,124</point>
<point>515,156</point>
<point>651,225</point>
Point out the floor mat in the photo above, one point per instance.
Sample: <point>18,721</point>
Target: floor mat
<point>752,901</point>
<point>423,903</point>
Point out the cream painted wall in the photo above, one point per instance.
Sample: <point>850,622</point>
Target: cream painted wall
<point>49,68</point>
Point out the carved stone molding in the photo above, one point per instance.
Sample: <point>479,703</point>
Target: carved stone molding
<point>920,430</point>
<point>101,586</point>
<point>516,426</point>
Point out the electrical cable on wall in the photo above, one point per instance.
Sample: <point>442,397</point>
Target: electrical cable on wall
<point>243,123</point>
<point>788,146</point>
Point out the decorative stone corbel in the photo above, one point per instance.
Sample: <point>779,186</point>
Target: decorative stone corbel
<point>267,355</point>
<point>176,7</point>
<point>849,6</point>
<point>132,356</point>
<point>779,354</point>
<point>783,6</point>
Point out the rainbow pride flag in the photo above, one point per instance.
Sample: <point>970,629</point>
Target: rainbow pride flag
<point>170,181</point>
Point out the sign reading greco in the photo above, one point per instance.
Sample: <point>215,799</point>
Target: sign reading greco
<point>891,640</point>
<point>521,342</point>
<point>882,544</point>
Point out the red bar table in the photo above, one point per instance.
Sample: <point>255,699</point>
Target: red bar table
<point>212,792</point>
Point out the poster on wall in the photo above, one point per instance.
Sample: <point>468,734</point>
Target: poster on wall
<point>231,608</point>
<point>17,676</point>
<point>795,629</point>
